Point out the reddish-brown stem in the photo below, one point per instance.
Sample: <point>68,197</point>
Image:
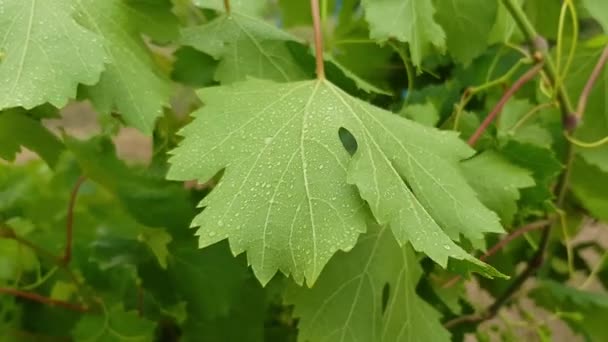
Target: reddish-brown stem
<point>525,78</point>
<point>227,6</point>
<point>502,243</point>
<point>69,226</point>
<point>316,21</point>
<point>582,100</point>
<point>44,300</point>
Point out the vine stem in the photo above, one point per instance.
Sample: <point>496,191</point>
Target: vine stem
<point>318,31</point>
<point>539,44</point>
<point>570,121</point>
<point>582,101</point>
<point>502,243</point>
<point>525,78</point>
<point>44,300</point>
<point>69,227</point>
<point>227,6</point>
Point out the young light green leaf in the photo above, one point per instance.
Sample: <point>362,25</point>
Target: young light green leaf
<point>33,135</point>
<point>497,182</point>
<point>115,325</point>
<point>409,21</point>
<point>132,83</point>
<point>426,114</point>
<point>349,303</point>
<point>504,26</point>
<point>45,53</point>
<point>513,124</point>
<point>246,47</point>
<point>595,121</point>
<point>15,261</point>
<point>287,195</point>
<point>467,25</point>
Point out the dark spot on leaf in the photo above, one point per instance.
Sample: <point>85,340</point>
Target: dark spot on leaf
<point>348,141</point>
<point>386,292</point>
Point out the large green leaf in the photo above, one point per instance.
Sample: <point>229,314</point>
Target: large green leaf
<point>368,294</point>
<point>44,53</point>
<point>409,21</point>
<point>497,181</point>
<point>246,47</point>
<point>287,195</point>
<point>595,121</point>
<point>132,83</point>
<point>467,25</point>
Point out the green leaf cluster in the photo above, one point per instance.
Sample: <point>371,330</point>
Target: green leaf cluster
<point>287,198</point>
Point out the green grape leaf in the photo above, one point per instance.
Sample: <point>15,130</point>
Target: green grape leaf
<point>504,26</point>
<point>513,124</point>
<point>15,259</point>
<point>595,121</point>
<point>249,313</point>
<point>150,199</point>
<point>335,70</point>
<point>544,165</point>
<point>193,67</point>
<point>295,13</point>
<point>425,114</point>
<point>590,185</point>
<point>33,135</point>
<point>215,278</point>
<point>45,53</point>
<point>467,25</point>
<point>246,47</point>
<point>348,302</point>
<point>591,307</point>
<point>288,194</point>
<point>598,9</point>
<point>497,182</point>
<point>544,15</point>
<point>115,324</point>
<point>132,83</point>
<point>157,240</point>
<point>409,21</point>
